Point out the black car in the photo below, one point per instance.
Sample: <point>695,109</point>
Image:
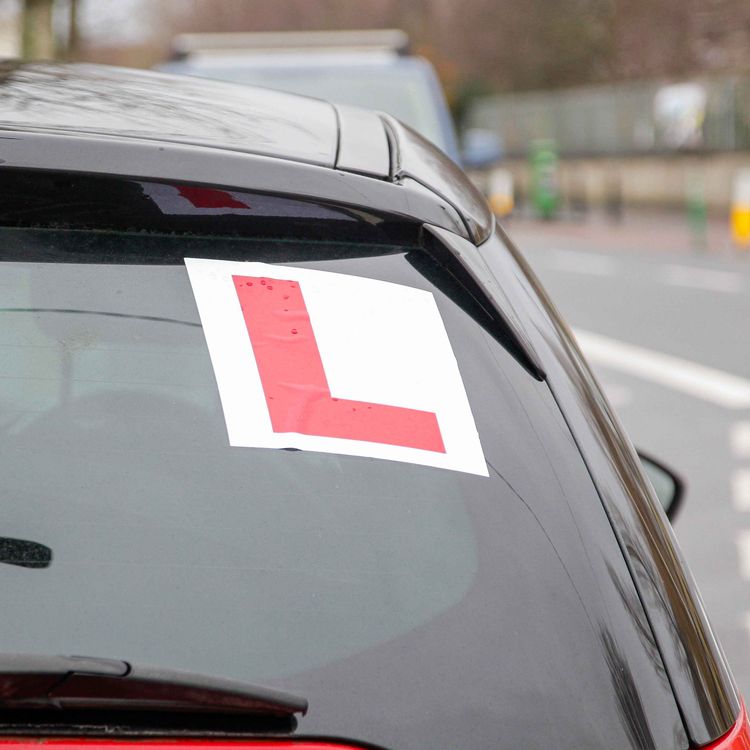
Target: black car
<point>282,407</point>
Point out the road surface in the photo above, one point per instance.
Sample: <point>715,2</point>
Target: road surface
<point>665,322</point>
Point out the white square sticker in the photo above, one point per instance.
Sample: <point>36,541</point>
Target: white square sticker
<point>334,363</point>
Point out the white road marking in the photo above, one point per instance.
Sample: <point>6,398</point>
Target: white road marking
<point>739,439</point>
<point>741,490</point>
<point>715,386</point>
<point>577,262</point>
<point>703,278</point>
<point>743,550</point>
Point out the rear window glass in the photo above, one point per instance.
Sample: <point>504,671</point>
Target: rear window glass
<point>115,456</point>
<point>367,585</point>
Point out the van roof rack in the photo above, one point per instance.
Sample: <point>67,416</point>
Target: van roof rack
<point>378,40</point>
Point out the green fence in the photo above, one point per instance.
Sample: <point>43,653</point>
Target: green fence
<point>630,118</point>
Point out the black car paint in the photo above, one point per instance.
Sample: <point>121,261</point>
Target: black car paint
<point>130,104</point>
<point>417,159</point>
<point>694,667</point>
<point>149,160</point>
<point>695,663</point>
<point>56,118</point>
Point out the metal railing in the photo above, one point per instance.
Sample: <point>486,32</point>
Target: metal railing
<point>620,119</point>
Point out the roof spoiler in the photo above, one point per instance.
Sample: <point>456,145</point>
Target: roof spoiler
<point>394,41</point>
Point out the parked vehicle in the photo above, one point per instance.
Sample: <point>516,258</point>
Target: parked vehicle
<point>373,69</point>
<point>283,407</point>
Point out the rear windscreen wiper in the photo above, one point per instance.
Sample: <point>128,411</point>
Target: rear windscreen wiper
<point>31,685</point>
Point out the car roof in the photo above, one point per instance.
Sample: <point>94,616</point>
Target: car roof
<point>100,99</point>
<point>218,124</point>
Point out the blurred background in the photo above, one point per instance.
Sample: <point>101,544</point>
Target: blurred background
<point>612,138</point>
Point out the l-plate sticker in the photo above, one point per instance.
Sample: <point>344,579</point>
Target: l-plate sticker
<point>333,363</point>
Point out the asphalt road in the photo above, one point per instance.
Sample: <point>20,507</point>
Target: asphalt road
<point>665,320</point>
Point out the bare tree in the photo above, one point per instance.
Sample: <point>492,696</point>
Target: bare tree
<point>74,31</point>
<point>511,44</point>
<point>271,15</point>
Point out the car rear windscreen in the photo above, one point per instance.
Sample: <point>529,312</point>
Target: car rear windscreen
<point>415,602</point>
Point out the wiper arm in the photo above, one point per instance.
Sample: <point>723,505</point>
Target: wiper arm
<point>80,684</point>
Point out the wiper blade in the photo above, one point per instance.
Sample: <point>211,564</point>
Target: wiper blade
<point>82,684</point>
